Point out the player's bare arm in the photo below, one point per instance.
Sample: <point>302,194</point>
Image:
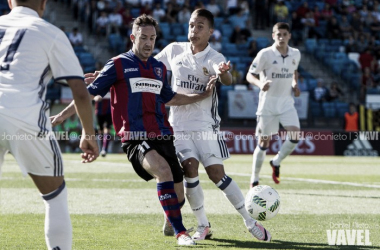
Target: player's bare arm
<point>224,74</point>
<point>254,80</point>
<point>296,90</point>
<point>82,104</point>
<point>183,99</point>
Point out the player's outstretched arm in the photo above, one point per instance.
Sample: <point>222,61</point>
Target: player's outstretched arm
<point>183,99</point>
<point>83,107</point>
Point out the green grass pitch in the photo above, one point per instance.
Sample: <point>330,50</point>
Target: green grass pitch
<point>111,208</point>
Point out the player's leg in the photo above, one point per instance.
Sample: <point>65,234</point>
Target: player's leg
<point>290,122</point>
<point>266,127</point>
<point>149,164</point>
<point>188,156</point>
<point>106,133</point>
<point>41,159</point>
<point>233,193</point>
<point>158,167</point>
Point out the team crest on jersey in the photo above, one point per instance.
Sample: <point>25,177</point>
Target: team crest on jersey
<point>158,72</point>
<point>294,62</point>
<point>205,71</point>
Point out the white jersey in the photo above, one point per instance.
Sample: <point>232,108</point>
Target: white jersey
<point>31,52</point>
<point>271,65</point>
<point>190,74</point>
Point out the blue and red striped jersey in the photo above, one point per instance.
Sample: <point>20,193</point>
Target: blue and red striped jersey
<point>139,91</point>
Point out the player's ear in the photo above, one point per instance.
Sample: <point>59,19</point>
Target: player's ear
<point>132,37</point>
<point>10,4</point>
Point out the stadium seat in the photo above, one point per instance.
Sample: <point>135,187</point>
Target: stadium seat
<point>176,29</point>
<point>310,45</point>
<point>262,42</point>
<point>218,21</point>
<point>229,49</point>
<point>341,108</point>
<point>227,30</point>
<point>135,12</point>
<point>315,109</point>
<point>312,84</point>
<point>182,38</point>
<point>329,109</point>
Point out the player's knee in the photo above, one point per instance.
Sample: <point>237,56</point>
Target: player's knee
<point>215,173</point>
<point>190,169</point>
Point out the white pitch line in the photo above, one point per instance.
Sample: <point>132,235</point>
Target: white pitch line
<point>310,180</point>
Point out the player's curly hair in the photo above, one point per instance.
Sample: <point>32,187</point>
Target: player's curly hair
<point>144,20</point>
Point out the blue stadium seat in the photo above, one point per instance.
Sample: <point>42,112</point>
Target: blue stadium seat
<point>341,108</point>
<point>135,12</point>
<point>315,109</point>
<point>227,30</point>
<point>329,109</point>
<point>310,45</point>
<point>262,42</point>
<point>229,49</point>
<point>116,43</point>
<point>182,38</point>
<point>312,83</point>
<point>165,29</point>
<point>218,21</point>
<point>177,29</point>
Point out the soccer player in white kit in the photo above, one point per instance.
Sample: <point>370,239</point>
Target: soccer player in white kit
<point>31,52</point>
<point>277,67</point>
<point>196,126</point>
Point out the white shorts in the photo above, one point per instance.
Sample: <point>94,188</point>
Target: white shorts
<point>270,124</point>
<point>205,146</point>
<point>34,155</point>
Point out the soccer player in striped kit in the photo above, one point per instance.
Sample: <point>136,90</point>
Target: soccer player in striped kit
<point>196,126</point>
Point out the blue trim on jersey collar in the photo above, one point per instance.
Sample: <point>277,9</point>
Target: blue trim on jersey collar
<point>24,10</point>
<point>274,49</point>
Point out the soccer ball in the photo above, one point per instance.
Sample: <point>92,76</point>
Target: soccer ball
<point>262,202</point>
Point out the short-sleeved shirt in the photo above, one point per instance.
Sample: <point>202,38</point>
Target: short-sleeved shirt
<point>190,74</point>
<point>32,51</point>
<point>139,91</point>
<point>271,65</point>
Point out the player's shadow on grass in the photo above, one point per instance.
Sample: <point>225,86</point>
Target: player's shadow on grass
<point>280,244</point>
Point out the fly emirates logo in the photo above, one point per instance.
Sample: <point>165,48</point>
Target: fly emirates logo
<point>141,84</point>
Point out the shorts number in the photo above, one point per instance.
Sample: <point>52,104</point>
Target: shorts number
<point>12,47</point>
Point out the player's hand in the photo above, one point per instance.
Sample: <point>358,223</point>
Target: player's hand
<point>296,91</point>
<point>56,120</point>
<point>90,77</point>
<point>266,85</point>
<point>210,86</point>
<point>89,146</point>
<point>224,67</point>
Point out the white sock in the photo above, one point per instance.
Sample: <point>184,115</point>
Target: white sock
<point>194,195</point>
<point>258,159</point>
<point>285,150</point>
<point>58,230</point>
<point>233,193</point>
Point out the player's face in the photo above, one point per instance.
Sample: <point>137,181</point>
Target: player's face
<point>143,42</point>
<point>199,31</point>
<point>281,37</point>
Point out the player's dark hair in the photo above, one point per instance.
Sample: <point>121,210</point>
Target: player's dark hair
<point>283,26</point>
<point>206,14</point>
<point>145,20</point>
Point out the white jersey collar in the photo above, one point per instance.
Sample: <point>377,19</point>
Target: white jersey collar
<point>202,53</point>
<point>277,53</point>
<point>24,10</point>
